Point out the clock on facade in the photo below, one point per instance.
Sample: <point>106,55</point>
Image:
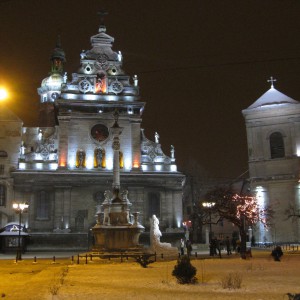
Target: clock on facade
<point>99,132</point>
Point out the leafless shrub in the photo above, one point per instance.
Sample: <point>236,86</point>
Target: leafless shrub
<point>232,281</point>
<point>58,281</point>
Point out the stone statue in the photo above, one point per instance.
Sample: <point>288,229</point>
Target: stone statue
<point>120,57</point>
<point>155,245</point>
<point>99,156</point>
<point>135,80</point>
<point>156,138</point>
<point>172,151</point>
<point>83,54</point>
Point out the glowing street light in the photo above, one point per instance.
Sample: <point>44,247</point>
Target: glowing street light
<point>209,206</point>
<point>3,94</point>
<point>20,208</point>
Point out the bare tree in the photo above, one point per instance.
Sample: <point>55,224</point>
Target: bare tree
<point>240,210</point>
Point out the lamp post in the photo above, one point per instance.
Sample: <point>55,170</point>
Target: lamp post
<point>209,206</point>
<point>19,208</point>
<point>3,94</point>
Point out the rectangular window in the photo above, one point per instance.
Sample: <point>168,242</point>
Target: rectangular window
<point>153,205</point>
<point>1,169</point>
<point>2,195</point>
<point>42,206</point>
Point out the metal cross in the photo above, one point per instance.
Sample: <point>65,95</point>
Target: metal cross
<point>102,14</point>
<point>272,80</point>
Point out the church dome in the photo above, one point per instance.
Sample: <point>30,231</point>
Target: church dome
<point>53,82</point>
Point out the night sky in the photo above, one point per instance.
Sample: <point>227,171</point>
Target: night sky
<point>199,63</point>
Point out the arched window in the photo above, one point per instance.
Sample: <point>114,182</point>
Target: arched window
<point>42,206</point>
<point>277,145</point>
<point>2,195</point>
<point>3,153</point>
<point>153,205</point>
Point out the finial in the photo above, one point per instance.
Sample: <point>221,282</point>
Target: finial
<point>102,14</point>
<point>58,41</point>
<point>272,80</point>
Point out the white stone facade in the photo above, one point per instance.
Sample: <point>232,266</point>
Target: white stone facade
<point>63,170</point>
<point>273,134</point>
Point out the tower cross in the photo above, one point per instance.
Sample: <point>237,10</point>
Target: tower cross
<point>272,80</point>
<point>102,14</point>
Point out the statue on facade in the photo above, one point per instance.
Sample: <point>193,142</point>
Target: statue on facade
<point>172,152</point>
<point>156,138</point>
<point>65,78</point>
<point>120,57</point>
<point>83,54</point>
<point>135,80</point>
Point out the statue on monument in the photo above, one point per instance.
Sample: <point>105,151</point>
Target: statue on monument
<point>155,244</point>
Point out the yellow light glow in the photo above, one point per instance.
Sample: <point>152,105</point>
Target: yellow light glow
<point>3,94</point>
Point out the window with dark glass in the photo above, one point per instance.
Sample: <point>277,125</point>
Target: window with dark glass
<point>2,195</point>
<point>277,145</point>
<point>1,169</point>
<point>154,205</point>
<point>42,206</point>
<point>3,153</point>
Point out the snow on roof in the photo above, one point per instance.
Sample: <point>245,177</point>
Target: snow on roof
<point>272,97</point>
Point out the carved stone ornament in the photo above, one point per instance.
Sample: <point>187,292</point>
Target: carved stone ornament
<point>117,87</point>
<point>84,86</point>
<point>102,62</point>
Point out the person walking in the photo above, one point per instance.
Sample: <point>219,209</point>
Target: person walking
<point>181,247</point>
<point>277,253</point>
<point>228,245</point>
<point>188,245</point>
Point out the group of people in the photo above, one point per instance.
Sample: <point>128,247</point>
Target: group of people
<point>185,245</point>
<point>215,246</point>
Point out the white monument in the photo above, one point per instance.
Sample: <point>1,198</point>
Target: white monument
<point>155,245</point>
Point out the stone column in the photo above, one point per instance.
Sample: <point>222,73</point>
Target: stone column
<point>63,142</point>
<point>116,131</point>
<point>136,145</point>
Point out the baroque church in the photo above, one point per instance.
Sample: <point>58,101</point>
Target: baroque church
<point>273,135</point>
<point>63,168</point>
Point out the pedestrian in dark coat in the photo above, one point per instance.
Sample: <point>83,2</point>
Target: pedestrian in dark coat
<point>188,245</point>
<point>228,245</point>
<point>181,247</point>
<point>277,253</point>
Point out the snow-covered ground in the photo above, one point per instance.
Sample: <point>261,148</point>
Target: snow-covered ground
<point>262,279</point>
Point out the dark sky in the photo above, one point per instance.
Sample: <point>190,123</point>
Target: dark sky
<point>199,63</point>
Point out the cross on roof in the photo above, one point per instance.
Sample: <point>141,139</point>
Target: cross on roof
<point>102,14</point>
<point>272,80</point>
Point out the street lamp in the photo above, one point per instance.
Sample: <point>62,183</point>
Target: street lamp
<point>209,206</point>
<point>19,208</point>
<point>3,94</point>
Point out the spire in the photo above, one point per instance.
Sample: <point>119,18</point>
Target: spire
<point>272,80</point>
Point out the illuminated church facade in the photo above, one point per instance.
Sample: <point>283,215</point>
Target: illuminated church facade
<point>273,135</point>
<point>63,167</point>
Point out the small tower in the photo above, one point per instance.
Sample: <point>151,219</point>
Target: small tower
<point>50,89</point>
<point>273,135</point>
